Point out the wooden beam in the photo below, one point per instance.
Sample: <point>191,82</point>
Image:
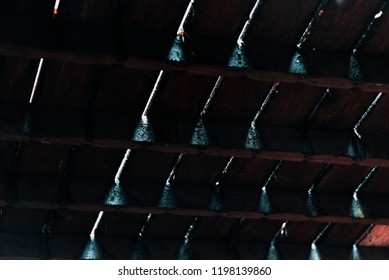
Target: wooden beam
<point>67,246</point>
<point>174,136</point>
<point>94,44</point>
<point>40,192</point>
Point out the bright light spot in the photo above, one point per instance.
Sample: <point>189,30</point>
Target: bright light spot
<point>379,14</point>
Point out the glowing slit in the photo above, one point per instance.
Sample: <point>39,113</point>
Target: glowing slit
<point>185,251</point>
<point>253,140</point>
<point>56,6</point>
<point>38,73</point>
<point>217,203</point>
<point>369,28</point>
<point>167,199</point>
<point>96,225</point>
<point>122,165</point>
<point>239,57</point>
<point>312,24</point>
<point>366,113</point>
<point>200,134</point>
<point>243,33</point>
<point>153,93</point>
<point>181,28</point>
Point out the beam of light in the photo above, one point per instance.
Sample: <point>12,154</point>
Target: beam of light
<point>92,249</point>
<point>177,51</point>
<point>355,254</point>
<point>357,211</point>
<point>354,69</point>
<point>366,113</point>
<point>217,201</point>
<point>311,205</point>
<point>116,195</point>
<point>200,134</point>
<point>185,251</point>
<point>144,132</point>
<point>167,199</point>
<point>253,139</point>
<point>312,24</point>
<point>297,65</point>
<point>239,58</point>
<point>273,252</point>
<point>140,251</point>
<point>265,205</point>
<point>314,253</point>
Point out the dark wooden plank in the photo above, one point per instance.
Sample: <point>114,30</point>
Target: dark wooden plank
<point>342,24</point>
<point>249,172</point>
<point>263,230</point>
<point>42,159</point>
<point>378,44</point>
<point>271,28</point>
<point>93,162</point>
<point>182,95</point>
<point>23,220</point>
<point>219,19</point>
<point>39,9</point>
<point>331,116</point>
<point>378,236</point>
<point>74,222</point>
<point>123,90</point>
<point>214,228</point>
<point>65,85</point>
<point>200,169</point>
<point>377,121</point>
<point>147,166</point>
<point>296,175</point>
<point>237,100</point>
<point>120,224</point>
<point>301,232</point>
<point>90,11</point>
<point>377,183</point>
<point>336,234</point>
<point>169,226</point>
<point>16,79</point>
<point>148,15</point>
<point>343,178</point>
<point>291,105</point>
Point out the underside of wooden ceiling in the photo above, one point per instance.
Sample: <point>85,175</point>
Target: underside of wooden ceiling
<point>203,129</point>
